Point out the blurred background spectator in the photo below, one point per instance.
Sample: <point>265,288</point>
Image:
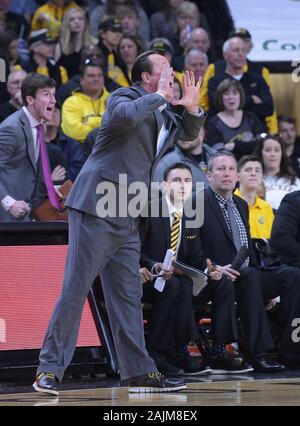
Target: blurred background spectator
<point>9,46</point>
<point>279,176</point>
<point>50,16</point>
<point>12,20</point>
<point>164,22</point>
<point>128,49</point>
<point>115,8</point>
<point>14,83</point>
<point>91,53</point>
<point>288,133</point>
<point>42,51</point>
<point>258,96</point>
<point>65,154</point>
<point>233,128</point>
<point>83,111</point>
<point>74,36</point>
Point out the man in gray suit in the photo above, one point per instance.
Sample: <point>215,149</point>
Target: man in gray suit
<point>132,137</point>
<point>21,182</point>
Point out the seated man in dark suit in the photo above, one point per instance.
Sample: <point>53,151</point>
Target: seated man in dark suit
<point>224,231</point>
<point>172,322</point>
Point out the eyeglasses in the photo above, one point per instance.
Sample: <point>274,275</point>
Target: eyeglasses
<point>92,62</point>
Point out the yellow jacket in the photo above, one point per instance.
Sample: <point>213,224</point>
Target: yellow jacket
<point>81,114</point>
<point>271,120</point>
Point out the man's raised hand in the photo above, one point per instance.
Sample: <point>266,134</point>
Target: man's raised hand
<point>165,83</point>
<point>190,92</point>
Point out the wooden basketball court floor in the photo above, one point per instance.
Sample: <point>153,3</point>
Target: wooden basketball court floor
<point>249,390</point>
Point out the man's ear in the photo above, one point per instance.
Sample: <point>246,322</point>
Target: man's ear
<point>146,77</point>
<point>29,100</point>
<point>164,186</point>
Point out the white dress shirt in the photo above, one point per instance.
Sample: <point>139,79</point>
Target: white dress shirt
<point>163,133</point>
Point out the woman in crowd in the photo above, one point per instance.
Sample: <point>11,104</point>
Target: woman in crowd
<point>50,16</point>
<point>128,49</point>
<point>9,46</point>
<point>232,128</point>
<point>279,177</point>
<point>74,36</point>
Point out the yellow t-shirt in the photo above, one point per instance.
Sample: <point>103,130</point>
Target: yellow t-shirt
<point>261,217</point>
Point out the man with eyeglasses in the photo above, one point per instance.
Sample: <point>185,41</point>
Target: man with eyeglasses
<point>91,53</point>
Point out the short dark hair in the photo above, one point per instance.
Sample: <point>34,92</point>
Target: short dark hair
<point>226,84</point>
<point>221,153</point>
<point>129,10</point>
<point>247,158</point>
<point>286,119</point>
<point>176,166</point>
<point>32,83</point>
<point>142,64</point>
<point>89,63</point>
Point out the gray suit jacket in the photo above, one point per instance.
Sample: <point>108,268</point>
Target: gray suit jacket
<point>19,174</point>
<point>126,144</point>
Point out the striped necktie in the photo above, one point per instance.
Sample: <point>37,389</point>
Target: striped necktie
<point>175,231</point>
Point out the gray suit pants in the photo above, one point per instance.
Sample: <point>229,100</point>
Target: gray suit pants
<point>109,249</point>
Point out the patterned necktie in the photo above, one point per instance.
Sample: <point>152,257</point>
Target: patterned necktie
<point>175,231</point>
<point>234,227</point>
<point>46,168</point>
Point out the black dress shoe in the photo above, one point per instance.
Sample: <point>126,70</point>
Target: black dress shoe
<point>228,364</point>
<point>191,366</point>
<point>46,383</point>
<point>154,382</point>
<point>261,364</point>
